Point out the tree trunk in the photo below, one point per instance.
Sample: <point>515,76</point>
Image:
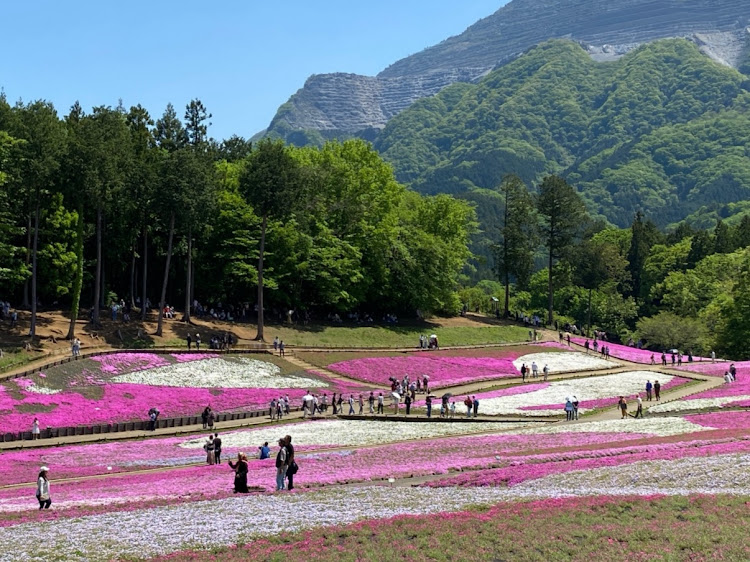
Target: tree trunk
<point>551,293</point>
<point>166,276</point>
<point>189,274</point>
<point>259,335</point>
<point>132,275</point>
<point>588,321</point>
<point>32,329</point>
<point>29,227</point>
<point>506,312</point>
<point>145,273</point>
<point>78,281</point>
<point>98,277</point>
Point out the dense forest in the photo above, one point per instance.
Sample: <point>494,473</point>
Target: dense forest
<point>688,288</point>
<point>113,205</point>
<point>664,130</point>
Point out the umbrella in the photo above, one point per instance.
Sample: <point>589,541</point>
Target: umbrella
<point>447,395</point>
<point>307,397</point>
<point>426,377</point>
<point>434,336</point>
<point>396,395</point>
<point>674,351</point>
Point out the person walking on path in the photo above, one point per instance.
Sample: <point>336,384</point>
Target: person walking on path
<point>189,340</point>
<point>453,408</point>
<point>475,404</point>
<point>639,410</point>
<point>351,405</point>
<point>42,488</point>
<point>380,403</point>
<point>586,346</point>
<point>713,356</point>
<point>568,410</point>
<point>653,361</point>
<point>575,407</point>
<point>240,472</point>
<point>35,429</point>
<point>282,349</point>
<point>281,466</point>
<point>276,343</point>
<point>534,369</point>
<point>291,464</point>
<point>568,338</point>
<point>371,402</point>
<point>623,404</point>
<point>663,359</point>
<point>649,387</point>
<point>211,419</point>
<point>524,370</point>
<point>657,390</point>
<point>197,341</point>
<point>333,404</point>
<point>217,448</point>
<point>546,371</point>
<point>407,402</point>
<point>428,403</point>
<point>361,402</point>
<point>468,402</point>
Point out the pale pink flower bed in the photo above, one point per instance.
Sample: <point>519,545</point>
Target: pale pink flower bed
<point>538,466</point>
<point>458,399</point>
<point>718,369</point>
<point>121,363</point>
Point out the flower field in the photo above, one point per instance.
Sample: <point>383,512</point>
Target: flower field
<point>446,369</point>
<point>123,387</point>
<point>438,480</point>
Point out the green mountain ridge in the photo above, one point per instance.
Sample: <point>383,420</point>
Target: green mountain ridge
<point>663,129</point>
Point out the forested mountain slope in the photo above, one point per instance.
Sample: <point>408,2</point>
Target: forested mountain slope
<point>663,129</point>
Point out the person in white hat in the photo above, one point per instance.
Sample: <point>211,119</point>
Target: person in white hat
<point>42,489</point>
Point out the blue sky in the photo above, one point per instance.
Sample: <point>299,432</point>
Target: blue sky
<point>241,58</point>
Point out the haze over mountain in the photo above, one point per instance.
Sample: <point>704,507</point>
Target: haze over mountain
<point>339,105</point>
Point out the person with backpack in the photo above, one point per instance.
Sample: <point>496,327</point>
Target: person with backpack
<point>292,467</point>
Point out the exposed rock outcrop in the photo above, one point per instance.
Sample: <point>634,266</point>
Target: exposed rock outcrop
<point>349,104</point>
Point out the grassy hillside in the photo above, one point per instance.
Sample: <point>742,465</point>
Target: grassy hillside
<point>663,129</point>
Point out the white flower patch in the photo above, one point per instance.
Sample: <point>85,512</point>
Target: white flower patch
<point>564,361</point>
<point>661,427</point>
<point>219,373</point>
<point>593,388</point>
<point>713,474</point>
<point>42,389</point>
<point>697,404</point>
<point>345,433</point>
<point>207,524</point>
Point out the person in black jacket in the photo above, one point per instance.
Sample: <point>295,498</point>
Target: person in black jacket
<point>291,465</point>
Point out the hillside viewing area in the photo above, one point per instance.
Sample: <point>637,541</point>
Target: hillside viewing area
<point>490,304</point>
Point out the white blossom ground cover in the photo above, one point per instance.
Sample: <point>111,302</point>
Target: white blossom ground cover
<point>606,388</point>
<point>219,373</point>
<point>564,362</point>
<point>206,524</point>
<point>661,427</point>
<point>719,474</point>
<point>697,404</point>
<point>343,433</point>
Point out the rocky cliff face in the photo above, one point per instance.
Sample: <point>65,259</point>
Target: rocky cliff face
<point>349,104</point>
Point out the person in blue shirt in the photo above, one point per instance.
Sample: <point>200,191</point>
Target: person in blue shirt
<point>265,451</point>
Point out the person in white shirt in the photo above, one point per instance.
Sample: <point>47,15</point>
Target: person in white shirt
<point>639,410</point>
<point>534,369</point>
<point>42,489</point>
<point>546,371</point>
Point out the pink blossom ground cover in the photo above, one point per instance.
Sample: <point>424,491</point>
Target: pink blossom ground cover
<point>124,402</point>
<point>611,402</point>
<point>629,353</point>
<point>722,420</point>
<point>740,387</point>
<point>317,468</point>
<point>443,370</point>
